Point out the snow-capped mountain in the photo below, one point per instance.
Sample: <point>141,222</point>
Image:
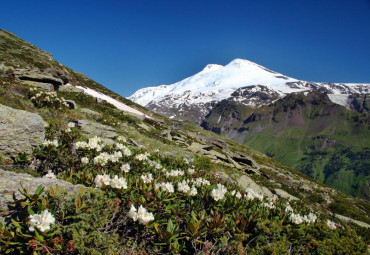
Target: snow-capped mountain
<point>240,80</point>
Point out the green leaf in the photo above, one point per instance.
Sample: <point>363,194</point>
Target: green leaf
<point>39,190</point>
<point>39,236</point>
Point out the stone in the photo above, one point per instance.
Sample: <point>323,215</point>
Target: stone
<point>234,163</point>
<point>167,134</point>
<point>46,86</point>
<point>284,194</point>
<point>267,192</point>
<point>96,129</point>
<point>144,126</point>
<point>20,131</point>
<point>42,78</point>
<point>10,183</point>
<point>70,88</point>
<point>196,147</point>
<point>246,182</point>
<point>347,219</point>
<point>224,176</point>
<point>216,154</point>
<point>89,111</point>
<point>71,104</point>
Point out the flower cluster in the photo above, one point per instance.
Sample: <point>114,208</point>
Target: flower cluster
<point>47,99</point>
<point>51,142</point>
<point>331,224</point>
<point>70,126</point>
<point>166,186</point>
<point>141,157</point>
<point>85,160</point>
<point>115,182</point>
<point>251,195</point>
<point>184,187</point>
<point>41,221</point>
<point>298,219</point>
<point>148,178</point>
<point>93,144</point>
<point>125,168</point>
<point>219,193</point>
<point>236,194</point>
<point>174,173</point>
<point>140,214</point>
<point>104,157</point>
<point>198,182</point>
<point>126,151</point>
<point>50,175</point>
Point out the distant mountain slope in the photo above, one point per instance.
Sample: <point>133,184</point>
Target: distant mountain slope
<point>241,80</point>
<point>321,139</point>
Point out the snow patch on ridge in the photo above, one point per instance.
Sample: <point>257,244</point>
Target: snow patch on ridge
<point>119,105</point>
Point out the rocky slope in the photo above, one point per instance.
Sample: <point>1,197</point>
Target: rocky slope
<point>241,81</point>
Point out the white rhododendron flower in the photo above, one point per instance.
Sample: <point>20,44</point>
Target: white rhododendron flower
<point>118,183</point>
<point>50,175</point>
<point>166,186</point>
<point>125,168</point>
<point>93,144</point>
<point>288,208</point>
<point>141,157</point>
<point>331,224</point>
<point>296,218</point>
<point>102,179</point>
<point>155,164</point>
<point>269,205</point>
<point>219,193</point>
<point>193,191</point>
<point>310,218</point>
<point>142,215</point>
<point>198,182</point>
<point>53,143</point>
<point>41,221</point>
<point>251,195</point>
<point>191,170</point>
<point>85,160</point>
<point>147,178</point>
<point>133,213</point>
<point>71,125</point>
<point>238,195</point>
<point>183,187</point>
<point>174,173</point>
<point>126,151</point>
<point>122,139</point>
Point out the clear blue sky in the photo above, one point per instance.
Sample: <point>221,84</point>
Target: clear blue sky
<point>127,45</point>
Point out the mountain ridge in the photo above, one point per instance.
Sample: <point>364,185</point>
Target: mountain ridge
<point>239,80</point>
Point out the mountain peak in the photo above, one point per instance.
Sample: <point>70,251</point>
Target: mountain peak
<point>239,62</point>
<point>211,67</point>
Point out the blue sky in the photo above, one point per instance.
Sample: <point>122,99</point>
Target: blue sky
<point>127,45</point>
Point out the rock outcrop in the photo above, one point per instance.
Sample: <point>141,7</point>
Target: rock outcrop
<point>11,182</point>
<point>20,131</point>
<point>92,129</point>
